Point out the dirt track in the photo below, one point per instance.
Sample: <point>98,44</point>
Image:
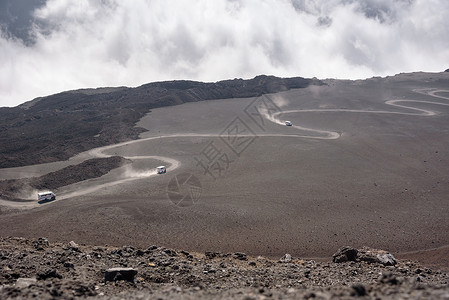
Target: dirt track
<point>382,182</point>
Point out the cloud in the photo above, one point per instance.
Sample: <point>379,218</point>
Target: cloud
<point>87,43</point>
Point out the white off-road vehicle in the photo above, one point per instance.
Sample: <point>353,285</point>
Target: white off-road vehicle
<point>46,196</point>
<point>161,170</point>
<point>288,123</point>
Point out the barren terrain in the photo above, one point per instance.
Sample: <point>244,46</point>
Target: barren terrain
<point>39,269</point>
<point>364,164</point>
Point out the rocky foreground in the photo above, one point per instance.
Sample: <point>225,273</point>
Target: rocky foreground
<point>41,270</point>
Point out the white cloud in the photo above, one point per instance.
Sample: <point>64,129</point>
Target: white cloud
<point>88,43</point>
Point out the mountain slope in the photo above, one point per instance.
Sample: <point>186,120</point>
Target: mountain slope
<point>59,126</point>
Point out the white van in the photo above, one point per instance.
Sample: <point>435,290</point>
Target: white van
<point>46,196</point>
<point>161,170</point>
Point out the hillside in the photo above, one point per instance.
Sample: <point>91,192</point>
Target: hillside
<point>59,126</point>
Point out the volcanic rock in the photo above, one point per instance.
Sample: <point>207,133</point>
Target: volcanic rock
<point>345,254</point>
<point>376,256</point>
<point>115,274</point>
<point>25,282</point>
<point>286,258</point>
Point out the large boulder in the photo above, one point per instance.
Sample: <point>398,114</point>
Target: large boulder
<point>365,254</point>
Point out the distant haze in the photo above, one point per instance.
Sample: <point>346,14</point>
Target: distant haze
<point>56,45</point>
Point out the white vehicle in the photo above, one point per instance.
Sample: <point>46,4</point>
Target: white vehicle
<point>46,196</point>
<point>288,123</point>
<point>161,170</point>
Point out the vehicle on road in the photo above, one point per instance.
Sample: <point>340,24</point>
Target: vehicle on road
<point>42,196</point>
<point>161,170</point>
<point>288,123</point>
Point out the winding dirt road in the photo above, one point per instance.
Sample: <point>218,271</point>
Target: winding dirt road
<point>173,164</point>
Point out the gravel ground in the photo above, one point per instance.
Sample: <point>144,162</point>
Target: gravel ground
<point>38,269</point>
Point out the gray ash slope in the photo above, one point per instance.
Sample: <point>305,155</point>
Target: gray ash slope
<point>37,269</point>
<point>59,126</point>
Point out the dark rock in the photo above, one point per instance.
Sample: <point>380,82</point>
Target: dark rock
<point>240,256</point>
<point>49,273</point>
<point>41,243</point>
<point>128,249</point>
<point>388,278</point>
<point>116,274</point>
<point>84,291</point>
<point>170,252</point>
<point>345,254</point>
<point>211,255</point>
<point>151,248</point>
<point>358,290</point>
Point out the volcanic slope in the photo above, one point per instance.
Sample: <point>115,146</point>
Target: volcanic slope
<point>365,163</point>
<point>56,127</point>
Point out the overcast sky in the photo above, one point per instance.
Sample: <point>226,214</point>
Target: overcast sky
<point>55,45</point>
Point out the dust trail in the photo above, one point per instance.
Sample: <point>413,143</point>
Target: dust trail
<point>128,175</point>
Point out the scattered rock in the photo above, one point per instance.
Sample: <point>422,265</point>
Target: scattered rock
<point>365,254</point>
<point>64,274</point>
<point>286,258</point>
<point>240,256</point>
<point>345,254</point>
<point>170,252</point>
<point>151,248</point>
<point>84,291</point>
<point>116,274</point>
<point>376,256</point>
<point>387,259</point>
<point>358,290</point>
<point>48,273</point>
<point>41,243</point>
<point>25,282</point>
<point>73,246</point>
<point>388,278</point>
<point>211,255</point>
